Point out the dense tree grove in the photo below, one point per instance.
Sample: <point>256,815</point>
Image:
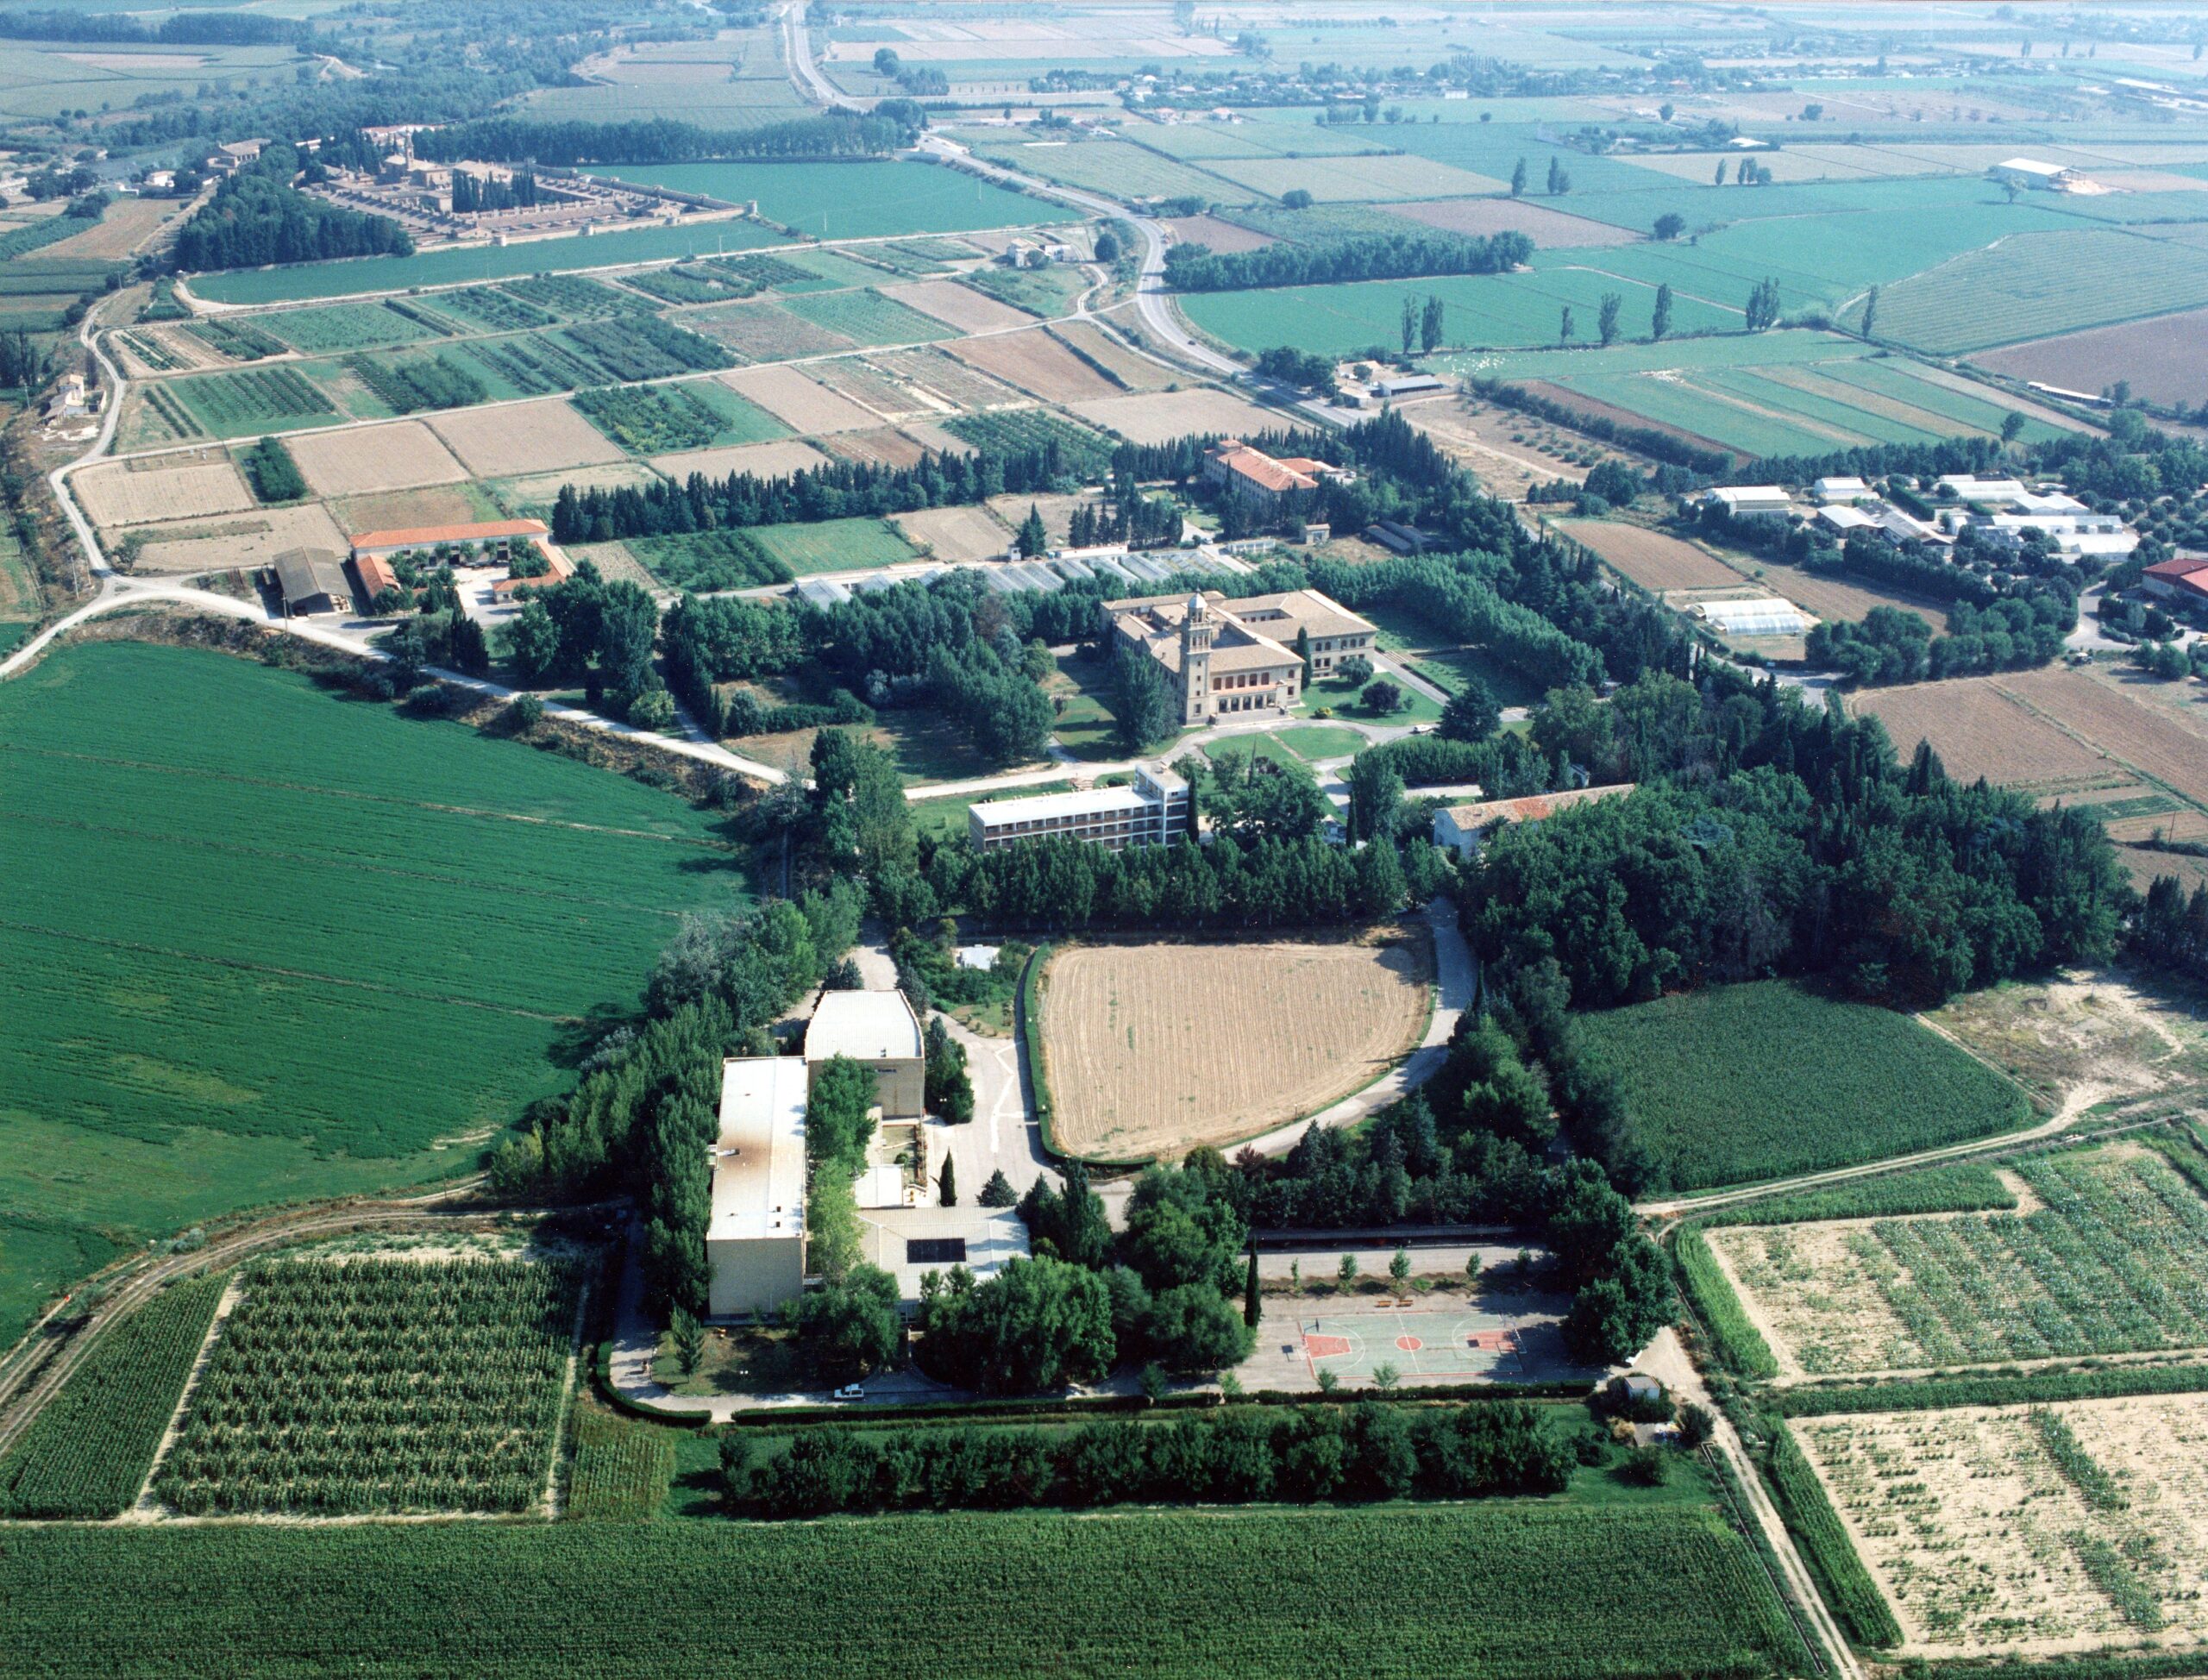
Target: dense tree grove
<point>1891,645</point>
<point>1783,840</point>
<point>662,139</point>
<point>1195,268</point>
<point>258,216</point>
<point>586,631</point>
<point>471,193</point>
<point>1365,1451</point>
<point>2171,928</point>
<point>230,29</point>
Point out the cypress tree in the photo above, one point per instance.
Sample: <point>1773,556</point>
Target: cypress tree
<point>947,1185</point>
<point>1252,1307</point>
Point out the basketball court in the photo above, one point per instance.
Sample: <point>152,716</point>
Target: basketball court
<point>1419,1343</point>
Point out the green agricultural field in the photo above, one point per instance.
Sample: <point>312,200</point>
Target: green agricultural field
<point>255,400</point>
<point>834,545</point>
<point>868,318</point>
<point>483,262</point>
<point>698,414</point>
<point>330,1375</point>
<point>340,327</point>
<point>1115,168</point>
<point>1737,1083</point>
<point>348,945</point>
<point>2046,283</point>
<point>1501,1591</point>
<point>88,1452</point>
<point>856,200</point>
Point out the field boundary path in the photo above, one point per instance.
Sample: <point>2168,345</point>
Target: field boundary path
<point>146,1508</point>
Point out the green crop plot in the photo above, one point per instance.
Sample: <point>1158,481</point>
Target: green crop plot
<point>834,545</point>
<point>868,318</point>
<point>1736,1083</point>
<point>1504,1592</point>
<point>854,200</point>
<point>2045,284</point>
<point>657,420</point>
<point>349,942</point>
<point>299,281</point>
<point>340,327</point>
<point>258,399</point>
<point>377,1384</point>
<point>87,1454</point>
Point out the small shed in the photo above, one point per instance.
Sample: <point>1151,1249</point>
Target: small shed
<point>312,581</point>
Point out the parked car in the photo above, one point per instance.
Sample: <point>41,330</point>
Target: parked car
<point>850,1391</point>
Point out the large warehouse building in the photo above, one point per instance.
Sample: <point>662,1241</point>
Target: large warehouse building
<point>877,1028</point>
<point>755,1242</point>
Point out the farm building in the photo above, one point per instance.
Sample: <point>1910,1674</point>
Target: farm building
<point>2031,173</point>
<point>488,534</point>
<point>375,575</point>
<point>877,1028</point>
<point>754,1239</point>
<point>2184,579</point>
<point>1464,827</point>
<point>1152,811</point>
<point>1842,490</point>
<point>1753,501</point>
<point>313,581</point>
<point>1764,616</point>
<point>1394,534</point>
<point>1243,658</point>
<point>1846,520</point>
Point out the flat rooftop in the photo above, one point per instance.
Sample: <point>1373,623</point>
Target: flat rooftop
<point>1038,807</point>
<point>759,1157</point>
<point>867,1026</point>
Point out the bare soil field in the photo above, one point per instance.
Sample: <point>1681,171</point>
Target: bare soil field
<point>936,378</point>
<point>799,402</point>
<point>929,435</point>
<point>1834,599</point>
<point>885,446</point>
<point>1056,512</point>
<point>615,564</point>
<point>523,437</point>
<point>1544,226</point>
<point>959,306</point>
<point>1652,558</point>
<point>1482,439</point>
<point>762,332</point>
<point>359,459</point>
<point>862,382</point>
<point>2144,736</point>
<point>1985,1538</point>
<point>2166,358</point>
<point>169,487</point>
<point>1161,416</point>
<point>248,540</point>
<point>127,225</point>
<point>1135,372</point>
<point>1036,363</point>
<point>953,533</point>
<point>2084,1038</point>
<point>1154,1048</point>
<point>1221,236</point>
<point>1978,731</point>
<point>532,493</point>
<point>404,509</point>
<point>766,460</point>
<point>184,351</point>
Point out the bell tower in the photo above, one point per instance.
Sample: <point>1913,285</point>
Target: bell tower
<point>1198,632</point>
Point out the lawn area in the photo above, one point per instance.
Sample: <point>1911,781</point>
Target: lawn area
<point>1313,741</point>
<point>1086,727</point>
<point>855,200</point>
<point>1503,1590</point>
<point>1737,1083</point>
<point>834,545</point>
<point>1342,700</point>
<point>264,944</point>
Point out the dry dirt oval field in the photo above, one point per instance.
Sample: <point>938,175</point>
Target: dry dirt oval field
<point>1152,1049</point>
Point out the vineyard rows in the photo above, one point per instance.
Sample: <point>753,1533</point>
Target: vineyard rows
<point>261,398</point>
<point>378,1383</point>
<point>91,1448</point>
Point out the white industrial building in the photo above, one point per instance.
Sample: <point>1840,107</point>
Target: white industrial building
<point>1753,501</point>
<point>754,1240</point>
<point>1151,810</point>
<point>880,1030</point>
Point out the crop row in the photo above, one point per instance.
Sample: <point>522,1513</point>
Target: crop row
<point>650,420</point>
<point>234,339</point>
<point>90,1449</point>
<point>495,307</point>
<point>289,1416</point>
<point>1005,431</point>
<point>258,398</point>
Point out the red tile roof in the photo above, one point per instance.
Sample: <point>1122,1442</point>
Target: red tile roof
<point>2183,567</point>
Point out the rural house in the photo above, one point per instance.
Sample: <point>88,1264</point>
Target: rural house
<point>1462,828</point>
<point>493,533</point>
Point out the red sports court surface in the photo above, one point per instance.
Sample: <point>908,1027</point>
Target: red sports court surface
<point>1450,1343</point>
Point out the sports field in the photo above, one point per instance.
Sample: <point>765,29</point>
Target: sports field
<point>1735,1083</point>
<point>262,943</point>
<point>1502,1590</point>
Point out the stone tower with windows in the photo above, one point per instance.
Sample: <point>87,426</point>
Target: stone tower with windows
<point>1198,632</point>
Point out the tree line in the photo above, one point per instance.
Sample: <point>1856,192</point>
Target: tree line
<point>258,216</point>
<point>662,139</point>
<point>185,29</point>
<point>470,192</point>
<point>1891,644</point>
<point>1366,1451</point>
<point>1195,267</point>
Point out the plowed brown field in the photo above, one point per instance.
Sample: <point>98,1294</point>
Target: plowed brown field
<point>1155,1049</point>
